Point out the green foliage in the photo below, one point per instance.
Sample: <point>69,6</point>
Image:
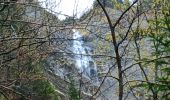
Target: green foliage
<point>159,35</point>
<point>36,85</point>
<point>73,92</point>
<point>43,87</point>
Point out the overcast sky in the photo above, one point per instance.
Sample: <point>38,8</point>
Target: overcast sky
<point>68,7</point>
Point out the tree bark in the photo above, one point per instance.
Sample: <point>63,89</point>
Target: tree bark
<point>116,46</point>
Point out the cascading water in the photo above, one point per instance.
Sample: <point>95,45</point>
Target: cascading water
<point>84,61</point>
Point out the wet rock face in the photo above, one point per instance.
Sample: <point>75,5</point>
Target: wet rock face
<point>87,39</point>
<point>74,60</point>
<point>93,72</point>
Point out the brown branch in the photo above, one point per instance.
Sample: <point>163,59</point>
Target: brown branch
<point>11,90</point>
<point>118,58</point>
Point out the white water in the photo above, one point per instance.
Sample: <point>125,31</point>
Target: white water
<point>84,61</point>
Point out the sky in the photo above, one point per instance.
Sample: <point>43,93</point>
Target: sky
<point>67,7</point>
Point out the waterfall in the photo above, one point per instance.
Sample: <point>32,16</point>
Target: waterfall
<point>84,62</point>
